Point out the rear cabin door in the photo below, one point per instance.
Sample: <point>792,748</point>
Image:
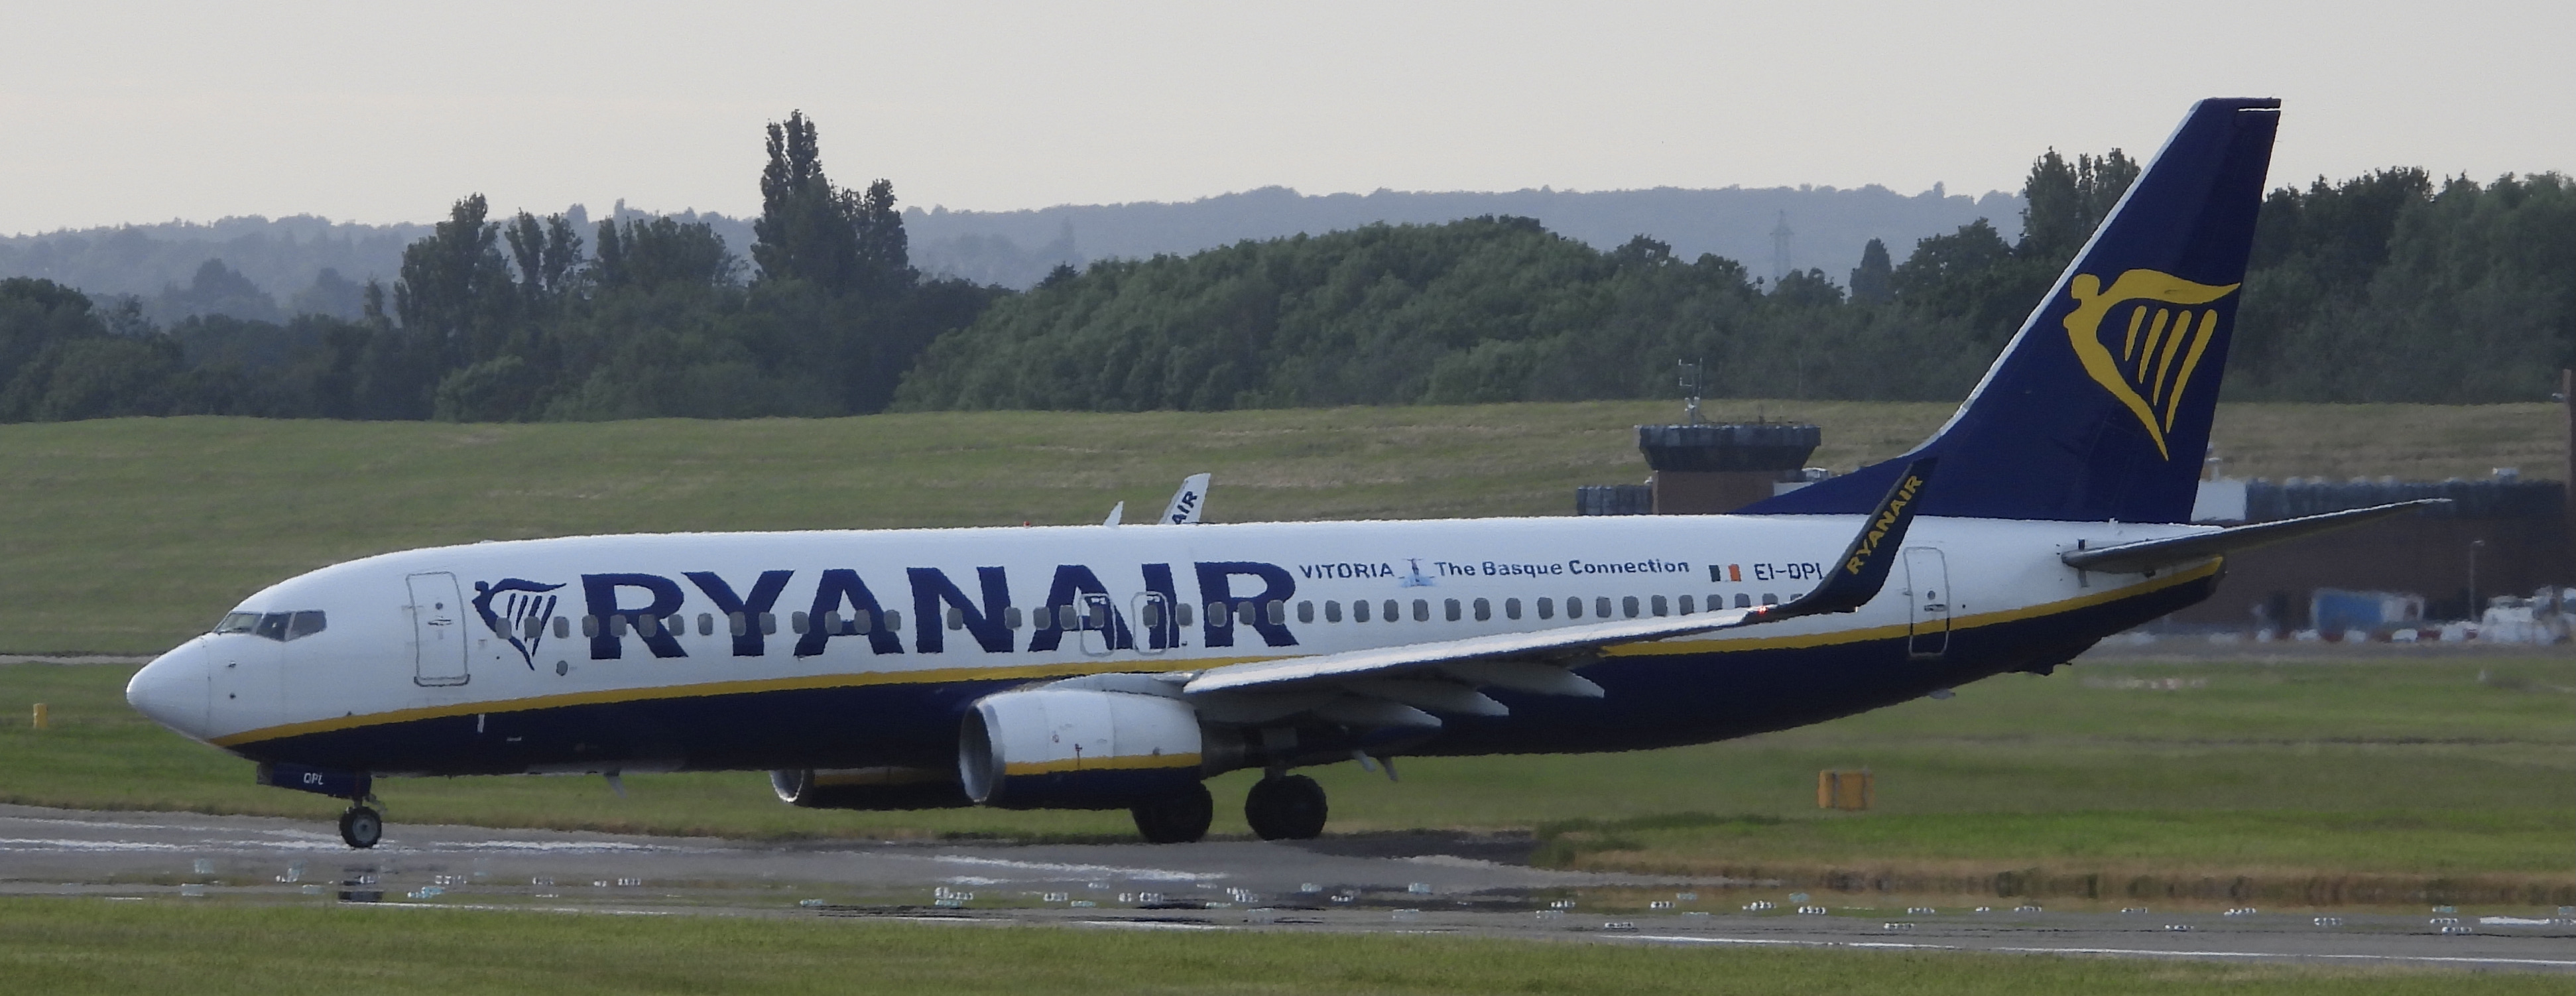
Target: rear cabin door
<point>1927,583</point>
<point>438,630</point>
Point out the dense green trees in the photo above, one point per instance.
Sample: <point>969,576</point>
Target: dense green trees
<point>1487,309</point>
<point>2387,287</point>
<point>2382,288</point>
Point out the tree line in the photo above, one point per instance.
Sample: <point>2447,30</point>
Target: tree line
<point>526,318</point>
<point>2386,287</point>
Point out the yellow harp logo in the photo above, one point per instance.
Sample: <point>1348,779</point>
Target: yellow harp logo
<point>2160,347</point>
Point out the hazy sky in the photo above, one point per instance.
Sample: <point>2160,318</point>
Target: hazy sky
<point>129,112</point>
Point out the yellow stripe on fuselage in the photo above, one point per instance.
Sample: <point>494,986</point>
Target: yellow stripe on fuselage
<point>1070,669</point>
<point>1137,762</point>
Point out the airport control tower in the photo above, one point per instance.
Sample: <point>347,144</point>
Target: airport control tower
<point>1703,468</point>
<point>1707,469</point>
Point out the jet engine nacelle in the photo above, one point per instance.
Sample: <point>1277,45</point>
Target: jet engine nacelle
<point>1077,749</point>
<point>868,788</point>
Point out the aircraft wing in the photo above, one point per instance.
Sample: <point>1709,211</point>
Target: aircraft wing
<point>1433,673</point>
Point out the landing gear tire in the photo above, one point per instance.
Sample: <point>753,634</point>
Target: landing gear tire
<point>1290,807</point>
<point>1178,818</point>
<point>361,827</point>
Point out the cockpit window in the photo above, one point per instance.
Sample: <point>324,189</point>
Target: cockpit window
<point>279,626</point>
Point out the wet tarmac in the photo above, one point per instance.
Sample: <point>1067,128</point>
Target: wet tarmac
<point>1418,883</point>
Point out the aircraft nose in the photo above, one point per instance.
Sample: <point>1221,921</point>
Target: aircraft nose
<point>172,690</point>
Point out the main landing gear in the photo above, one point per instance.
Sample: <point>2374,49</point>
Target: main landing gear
<point>1178,818</point>
<point>1286,807</point>
<point>361,827</point>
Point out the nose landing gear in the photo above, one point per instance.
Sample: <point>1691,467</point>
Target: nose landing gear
<point>361,827</point>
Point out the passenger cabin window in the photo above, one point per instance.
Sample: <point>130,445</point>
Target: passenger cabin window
<point>563,628</point>
<point>1660,605</point>
<point>1332,611</point>
<point>590,626</point>
<point>1743,601</point>
<point>1422,610</point>
<point>1686,605</point>
<point>1511,608</point>
<point>1305,612</point>
<point>1391,612</point>
<point>1574,608</point>
<point>1360,611</point>
<point>1011,617</point>
<point>1181,614</point>
<point>1278,612</point>
<point>706,624</point>
<point>1547,608</point>
<point>1484,610</point>
<point>800,622</point>
<point>1601,606</point>
<point>1449,610</point>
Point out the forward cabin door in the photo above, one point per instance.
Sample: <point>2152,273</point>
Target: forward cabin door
<point>438,630</point>
<point>1927,589</point>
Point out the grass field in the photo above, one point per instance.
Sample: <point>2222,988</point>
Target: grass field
<point>72,947</point>
<point>2368,780</point>
<point>126,536</point>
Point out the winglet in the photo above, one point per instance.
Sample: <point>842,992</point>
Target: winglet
<point>1188,502</point>
<point>1862,570</point>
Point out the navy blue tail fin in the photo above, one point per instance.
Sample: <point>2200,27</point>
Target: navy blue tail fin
<point>2100,407</point>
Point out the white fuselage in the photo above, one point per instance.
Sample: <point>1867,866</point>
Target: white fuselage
<point>404,638</point>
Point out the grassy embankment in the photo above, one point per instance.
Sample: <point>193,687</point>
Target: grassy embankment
<point>73,947</point>
<point>2358,779</point>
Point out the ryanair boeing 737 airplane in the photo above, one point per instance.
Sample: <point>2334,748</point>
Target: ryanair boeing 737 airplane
<point>1118,666</point>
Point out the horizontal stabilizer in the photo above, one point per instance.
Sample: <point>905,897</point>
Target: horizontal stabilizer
<point>2147,555</point>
